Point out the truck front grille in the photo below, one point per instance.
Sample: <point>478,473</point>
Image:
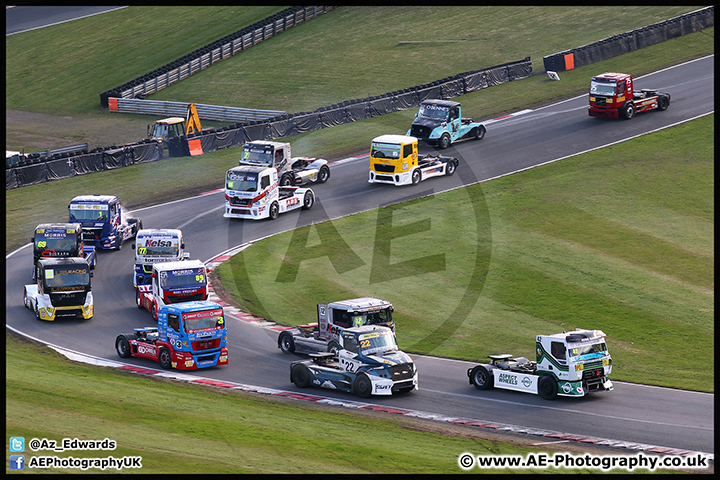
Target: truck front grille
<point>420,131</point>
<point>205,344</point>
<point>67,299</point>
<point>381,167</point>
<point>187,298</point>
<point>404,371</point>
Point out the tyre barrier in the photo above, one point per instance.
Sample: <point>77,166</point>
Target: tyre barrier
<point>630,41</point>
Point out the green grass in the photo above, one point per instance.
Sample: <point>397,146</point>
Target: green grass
<point>192,429</point>
<point>619,239</point>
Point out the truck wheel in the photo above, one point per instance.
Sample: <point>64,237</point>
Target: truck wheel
<point>274,211</point>
<point>300,376</point>
<point>138,302</point>
<point>479,133</point>
<point>663,102</point>
<point>25,298</point>
<point>444,141</point>
<point>286,343</point>
<point>153,311</point>
<point>324,174</point>
<point>481,378</point>
<point>36,311</point>
<point>164,358</point>
<point>287,180</point>
<point>450,167</point>
<point>308,200</point>
<point>416,177</point>
<point>547,387</point>
<point>628,111</point>
<point>122,346</point>
<point>333,347</point>
<point>362,386</point>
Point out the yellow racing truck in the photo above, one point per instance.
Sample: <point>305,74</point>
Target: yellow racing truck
<point>394,159</point>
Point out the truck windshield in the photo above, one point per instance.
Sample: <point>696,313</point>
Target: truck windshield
<point>202,320</point>
<point>75,276</point>
<point>158,251</point>
<point>385,150</point>
<point>258,155</point>
<point>242,181</point>
<point>187,278</point>
<point>602,88</point>
<point>433,112</point>
<point>57,244</point>
<point>89,212</point>
<point>376,342</point>
<point>377,317</point>
<point>578,351</point>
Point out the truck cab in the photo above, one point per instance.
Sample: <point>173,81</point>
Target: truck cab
<point>63,289</point>
<point>173,282</point>
<point>440,123</point>
<point>104,222</point>
<point>367,362</point>
<point>612,95</point>
<point>156,245</point>
<point>277,155</point>
<point>394,160</point>
<point>189,336</point>
<point>253,192</point>
<point>578,360</point>
<point>61,240</point>
<point>334,318</point>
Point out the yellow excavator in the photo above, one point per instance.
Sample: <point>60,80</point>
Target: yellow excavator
<point>170,127</point>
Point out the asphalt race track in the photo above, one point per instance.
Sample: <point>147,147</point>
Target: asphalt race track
<point>632,413</point>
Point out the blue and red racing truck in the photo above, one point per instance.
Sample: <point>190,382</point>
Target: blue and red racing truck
<point>106,225</point>
<point>61,240</point>
<point>173,282</point>
<point>188,336</point>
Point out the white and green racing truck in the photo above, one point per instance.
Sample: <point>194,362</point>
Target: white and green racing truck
<point>570,364</point>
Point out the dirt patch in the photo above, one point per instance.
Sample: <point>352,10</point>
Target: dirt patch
<point>34,132</point>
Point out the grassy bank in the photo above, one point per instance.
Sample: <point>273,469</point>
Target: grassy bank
<point>192,429</point>
<point>620,239</point>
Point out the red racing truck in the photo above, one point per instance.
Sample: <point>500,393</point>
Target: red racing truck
<point>173,282</point>
<point>612,95</point>
<point>189,336</point>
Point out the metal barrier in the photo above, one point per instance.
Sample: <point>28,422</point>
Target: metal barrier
<point>179,109</point>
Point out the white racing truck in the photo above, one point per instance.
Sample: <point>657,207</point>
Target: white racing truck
<point>333,319</point>
<point>254,193</point>
<point>292,171</point>
<point>570,364</point>
<point>368,362</point>
<point>156,245</point>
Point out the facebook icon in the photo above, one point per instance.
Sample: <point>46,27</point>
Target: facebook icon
<point>17,462</point>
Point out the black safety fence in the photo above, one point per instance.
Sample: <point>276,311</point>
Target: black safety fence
<point>630,41</point>
<point>34,170</point>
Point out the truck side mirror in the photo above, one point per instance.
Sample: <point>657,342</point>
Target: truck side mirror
<point>132,246</point>
<point>182,245</point>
